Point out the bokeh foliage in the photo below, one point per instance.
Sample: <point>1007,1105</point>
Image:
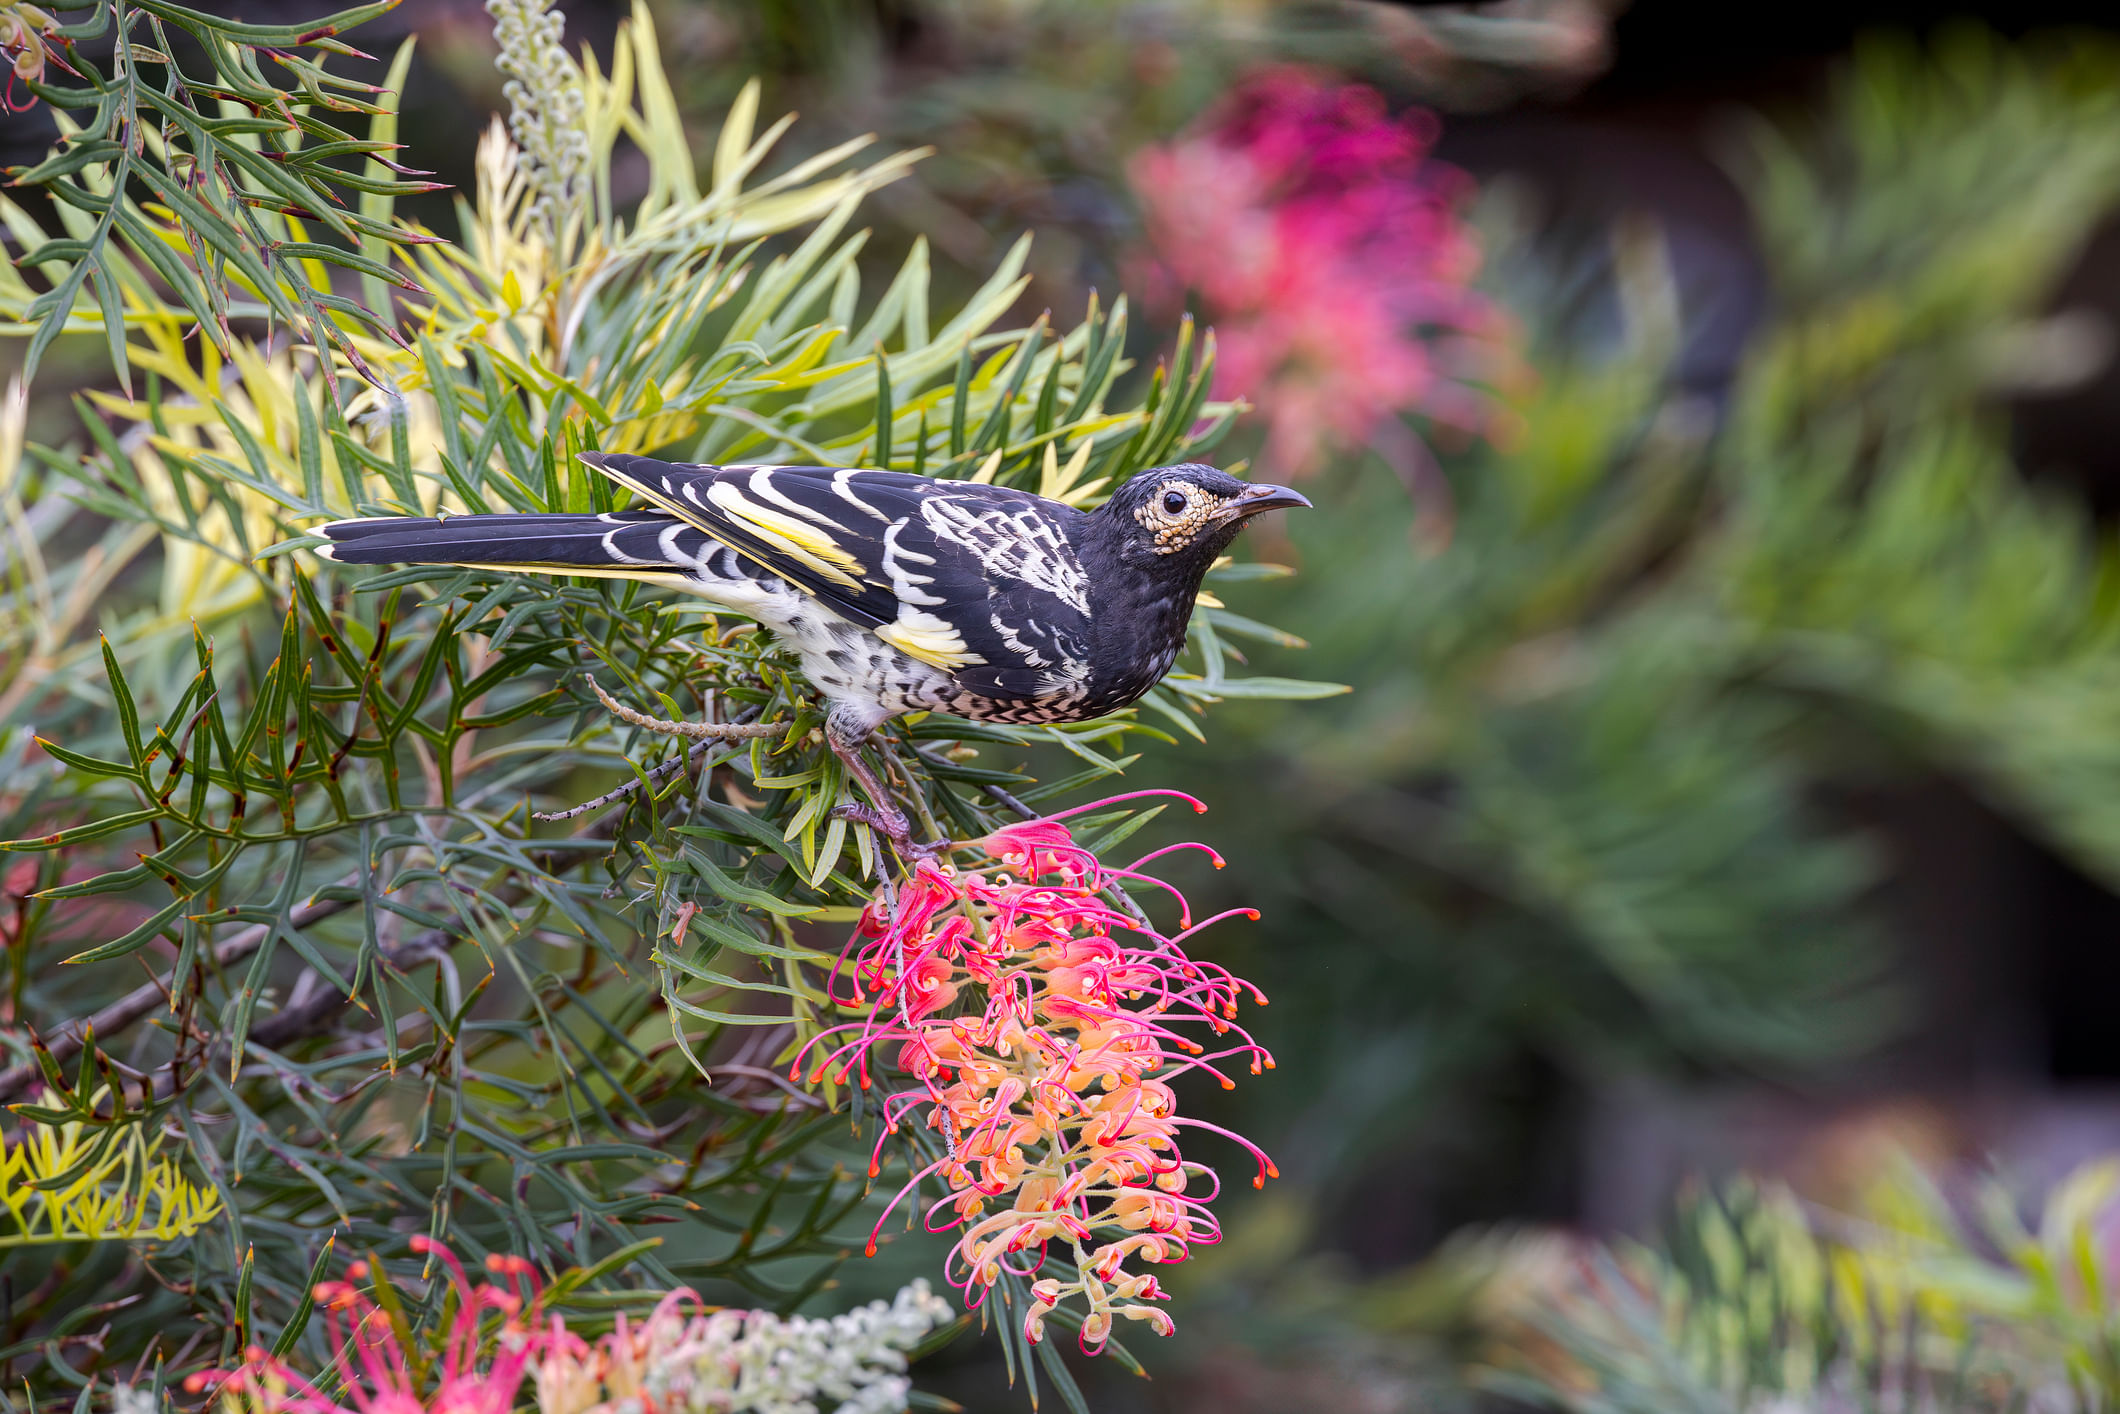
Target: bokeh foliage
<point>1587,810</point>
<point>382,995</point>
<point>1918,1298</point>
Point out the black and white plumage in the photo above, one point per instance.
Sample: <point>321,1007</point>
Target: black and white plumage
<point>899,593</point>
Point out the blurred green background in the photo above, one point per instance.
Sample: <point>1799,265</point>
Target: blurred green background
<point>1736,784</point>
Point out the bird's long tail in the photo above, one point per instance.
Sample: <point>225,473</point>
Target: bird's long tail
<point>623,545</point>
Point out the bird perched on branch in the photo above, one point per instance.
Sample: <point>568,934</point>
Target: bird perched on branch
<point>899,593</point>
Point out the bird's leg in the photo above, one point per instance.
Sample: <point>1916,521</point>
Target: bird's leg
<point>696,731</point>
<point>883,817</point>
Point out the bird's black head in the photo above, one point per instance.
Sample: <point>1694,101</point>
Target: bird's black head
<point>1146,550</point>
<point>1179,518</point>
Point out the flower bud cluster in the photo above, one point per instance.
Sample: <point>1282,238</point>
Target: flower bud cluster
<point>1040,1020</point>
<point>673,1363</point>
<point>547,111</point>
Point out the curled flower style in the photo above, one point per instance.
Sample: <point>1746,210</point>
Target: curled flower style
<point>25,49</point>
<point>1041,1020</point>
<point>1329,250</point>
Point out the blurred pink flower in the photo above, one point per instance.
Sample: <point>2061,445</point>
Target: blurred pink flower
<point>1328,249</point>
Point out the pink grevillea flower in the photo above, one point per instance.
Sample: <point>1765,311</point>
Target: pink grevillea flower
<point>1329,251</point>
<point>683,1357</point>
<point>372,1365</point>
<point>1039,1020</point>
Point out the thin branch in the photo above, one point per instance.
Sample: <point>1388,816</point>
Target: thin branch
<point>144,999</point>
<point>937,760</point>
<point>1010,801</point>
<point>655,778</point>
<point>312,1008</point>
<point>735,730</point>
<point>697,731</point>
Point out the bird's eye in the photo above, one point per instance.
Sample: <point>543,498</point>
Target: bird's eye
<point>1174,502</point>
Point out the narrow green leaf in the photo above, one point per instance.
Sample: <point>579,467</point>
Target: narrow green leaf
<point>574,1279</point>
<point>1283,689</point>
<point>95,830</point>
<point>959,397</point>
<point>994,432</point>
<point>111,305</point>
<point>91,765</point>
<point>122,699</point>
<point>883,413</point>
<point>137,939</point>
<point>299,1321</point>
<point>244,1314</point>
<point>743,894</point>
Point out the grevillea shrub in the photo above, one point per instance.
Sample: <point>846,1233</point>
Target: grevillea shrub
<point>1026,1021</point>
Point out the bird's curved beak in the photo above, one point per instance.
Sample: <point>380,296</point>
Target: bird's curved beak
<point>1254,499</point>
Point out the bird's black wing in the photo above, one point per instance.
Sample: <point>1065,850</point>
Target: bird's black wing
<point>980,581</point>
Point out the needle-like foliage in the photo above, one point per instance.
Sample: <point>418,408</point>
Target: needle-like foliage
<point>202,189</point>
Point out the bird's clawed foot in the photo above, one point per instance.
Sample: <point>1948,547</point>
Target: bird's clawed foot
<point>893,826</point>
<point>882,817</point>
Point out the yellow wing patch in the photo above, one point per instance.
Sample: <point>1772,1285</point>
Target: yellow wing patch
<point>797,539</point>
<point>919,634</point>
